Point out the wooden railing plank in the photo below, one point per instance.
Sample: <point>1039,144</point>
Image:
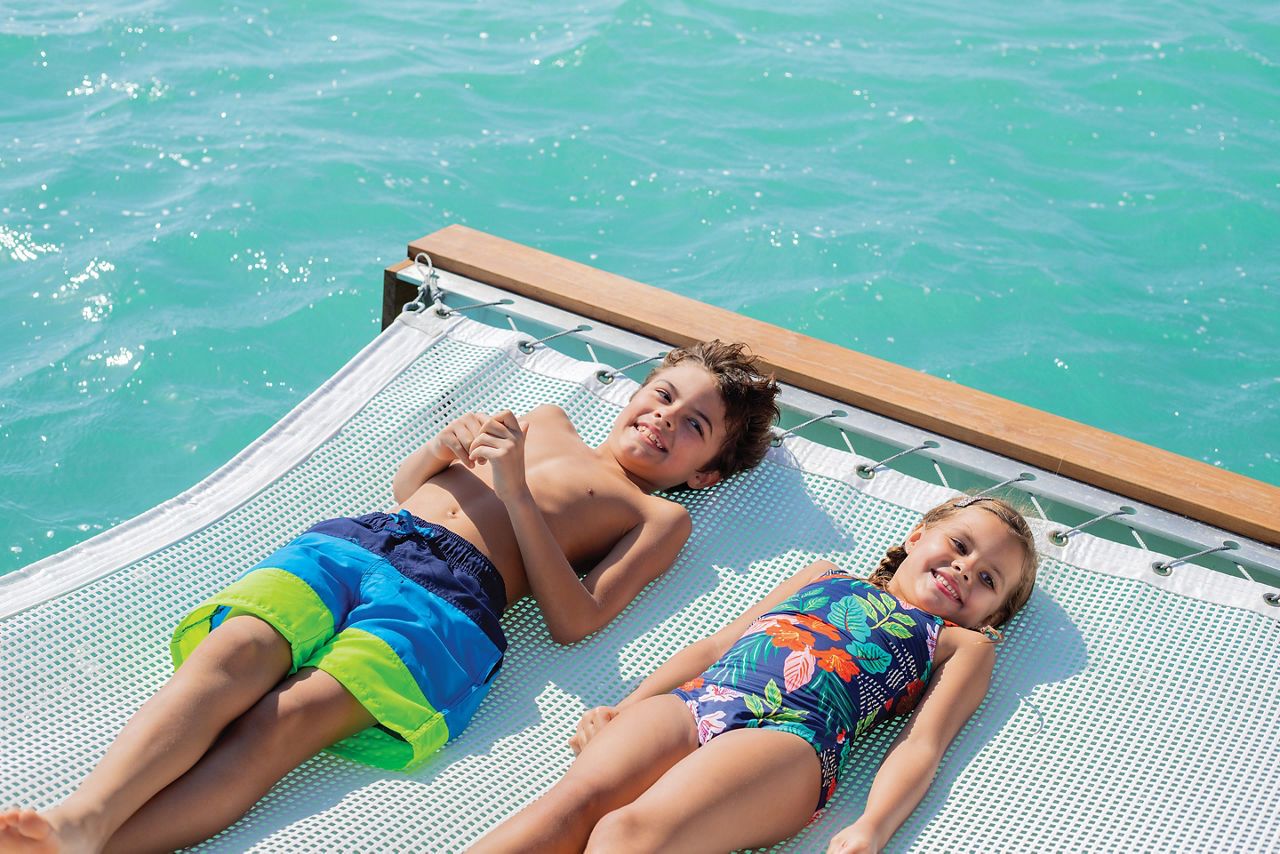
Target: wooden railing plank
<point>1144,473</point>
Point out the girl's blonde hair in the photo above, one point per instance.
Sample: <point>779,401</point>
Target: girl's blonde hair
<point>1005,512</point>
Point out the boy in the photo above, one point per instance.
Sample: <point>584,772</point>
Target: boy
<point>385,627</point>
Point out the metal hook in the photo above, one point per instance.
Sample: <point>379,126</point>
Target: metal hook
<point>443,310</point>
<point>869,471</point>
<point>1165,568</point>
<point>1059,538</point>
<point>430,285</point>
<point>607,377</point>
<point>526,347</point>
<point>791,431</point>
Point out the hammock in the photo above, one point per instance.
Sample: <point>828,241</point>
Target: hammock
<point>1130,707</point>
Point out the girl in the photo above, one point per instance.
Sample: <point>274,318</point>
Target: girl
<point>742,755</point>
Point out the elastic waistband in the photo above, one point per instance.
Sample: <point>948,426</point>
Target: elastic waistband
<point>457,551</point>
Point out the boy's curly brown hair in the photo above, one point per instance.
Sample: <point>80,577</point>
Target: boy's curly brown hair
<point>749,396</point>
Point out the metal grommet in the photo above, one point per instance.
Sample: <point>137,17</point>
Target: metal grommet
<point>1272,598</point>
<point>869,471</point>
<point>607,377</point>
<point>526,347</point>
<point>779,437</point>
<point>1163,569</point>
<point>1060,537</point>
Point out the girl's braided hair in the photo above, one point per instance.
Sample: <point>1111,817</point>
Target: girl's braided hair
<point>1005,512</point>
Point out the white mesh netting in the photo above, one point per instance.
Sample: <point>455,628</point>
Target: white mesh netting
<point>1123,714</point>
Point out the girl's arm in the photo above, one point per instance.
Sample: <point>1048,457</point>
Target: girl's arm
<point>697,656</point>
<point>955,690</point>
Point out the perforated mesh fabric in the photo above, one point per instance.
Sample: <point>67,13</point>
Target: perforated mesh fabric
<point>1121,716</point>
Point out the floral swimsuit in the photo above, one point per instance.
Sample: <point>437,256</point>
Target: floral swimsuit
<point>828,664</point>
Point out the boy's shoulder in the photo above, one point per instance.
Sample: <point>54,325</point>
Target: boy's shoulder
<point>550,418</point>
<point>549,414</point>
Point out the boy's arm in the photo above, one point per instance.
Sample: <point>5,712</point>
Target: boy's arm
<point>453,442</point>
<point>954,693</point>
<point>574,608</point>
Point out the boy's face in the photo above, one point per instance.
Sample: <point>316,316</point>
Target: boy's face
<point>961,568</point>
<point>673,427</point>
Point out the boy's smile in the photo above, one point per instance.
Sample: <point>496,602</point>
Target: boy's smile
<point>652,435</point>
<point>671,429</point>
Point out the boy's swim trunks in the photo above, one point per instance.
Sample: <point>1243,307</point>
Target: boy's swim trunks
<point>402,612</point>
<point>827,664</point>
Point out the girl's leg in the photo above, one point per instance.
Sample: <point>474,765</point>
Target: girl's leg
<point>744,789</point>
<point>304,714</point>
<point>616,766</point>
<point>224,676</point>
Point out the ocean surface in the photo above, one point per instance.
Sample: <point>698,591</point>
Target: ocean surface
<point>1076,207</point>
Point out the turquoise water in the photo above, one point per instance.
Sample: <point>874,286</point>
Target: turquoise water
<point>197,201</point>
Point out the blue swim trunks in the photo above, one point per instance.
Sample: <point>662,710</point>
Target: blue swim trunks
<point>404,613</point>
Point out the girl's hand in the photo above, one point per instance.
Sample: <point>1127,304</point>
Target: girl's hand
<point>592,721</point>
<point>853,840</point>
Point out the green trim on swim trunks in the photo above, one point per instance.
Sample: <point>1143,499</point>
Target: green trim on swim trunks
<point>280,598</point>
<point>370,669</point>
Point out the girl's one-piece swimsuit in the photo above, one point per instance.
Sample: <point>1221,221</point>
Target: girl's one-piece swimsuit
<point>828,664</point>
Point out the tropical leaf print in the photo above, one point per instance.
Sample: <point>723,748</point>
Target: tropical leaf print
<point>719,694</point>
<point>775,712</point>
<point>897,630</point>
<point>806,601</point>
<point>843,616</point>
<point>812,603</point>
<point>797,670</point>
<point>834,698</point>
<point>742,658</point>
<point>872,658</point>
<point>867,723</point>
<point>840,653</point>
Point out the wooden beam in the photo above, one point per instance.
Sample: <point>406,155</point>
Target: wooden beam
<point>1146,474</point>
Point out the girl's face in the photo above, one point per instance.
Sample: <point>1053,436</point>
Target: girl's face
<point>961,568</point>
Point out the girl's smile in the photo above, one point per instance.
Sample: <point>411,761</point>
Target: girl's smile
<point>960,568</point>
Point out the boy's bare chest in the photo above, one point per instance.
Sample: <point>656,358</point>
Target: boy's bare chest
<point>584,507</point>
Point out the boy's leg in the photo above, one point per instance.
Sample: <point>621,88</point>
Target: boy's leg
<point>306,713</point>
<point>224,676</point>
<point>744,789</point>
<point>616,766</point>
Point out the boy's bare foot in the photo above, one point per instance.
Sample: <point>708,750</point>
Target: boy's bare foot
<point>25,831</point>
